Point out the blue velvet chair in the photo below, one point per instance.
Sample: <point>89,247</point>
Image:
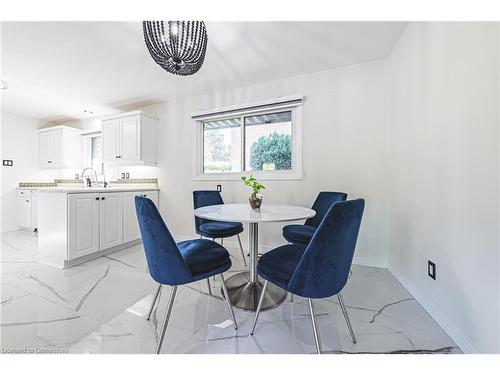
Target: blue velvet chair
<point>175,264</point>
<point>302,234</point>
<point>320,269</point>
<point>211,228</point>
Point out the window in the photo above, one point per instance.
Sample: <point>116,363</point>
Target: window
<point>96,153</point>
<point>92,151</point>
<point>222,146</point>
<point>264,140</point>
<point>268,142</point>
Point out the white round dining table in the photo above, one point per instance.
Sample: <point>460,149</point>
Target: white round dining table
<point>244,287</point>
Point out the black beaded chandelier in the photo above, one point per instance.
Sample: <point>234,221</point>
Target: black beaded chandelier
<point>177,46</point>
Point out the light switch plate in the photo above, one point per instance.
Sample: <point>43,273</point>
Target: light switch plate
<point>431,269</point>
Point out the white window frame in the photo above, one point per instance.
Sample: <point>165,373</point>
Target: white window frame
<point>283,104</point>
<point>87,147</point>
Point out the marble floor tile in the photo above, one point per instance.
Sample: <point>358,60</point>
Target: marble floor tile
<point>32,321</point>
<point>101,306</point>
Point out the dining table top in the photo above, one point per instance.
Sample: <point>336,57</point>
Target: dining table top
<point>243,213</point>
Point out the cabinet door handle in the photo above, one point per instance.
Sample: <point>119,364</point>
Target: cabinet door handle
<point>97,198</point>
<point>27,201</point>
<point>49,161</point>
<point>102,198</point>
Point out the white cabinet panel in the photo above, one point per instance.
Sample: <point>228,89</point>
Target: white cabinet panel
<point>60,147</point>
<point>34,209</point>
<point>131,229</point>
<point>44,145</point>
<point>130,138</point>
<point>24,209</point>
<point>51,149</point>
<point>111,220</point>
<point>130,225</point>
<point>110,140</point>
<point>56,148</point>
<point>83,224</point>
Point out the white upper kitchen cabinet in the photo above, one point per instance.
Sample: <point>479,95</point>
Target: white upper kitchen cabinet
<point>110,136</point>
<point>129,139</point>
<point>60,147</point>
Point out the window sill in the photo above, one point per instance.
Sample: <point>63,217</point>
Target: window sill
<point>262,176</point>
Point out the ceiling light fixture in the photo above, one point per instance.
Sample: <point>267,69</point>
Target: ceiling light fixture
<point>177,46</point>
<point>3,85</point>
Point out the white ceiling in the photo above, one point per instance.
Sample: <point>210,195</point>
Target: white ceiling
<point>58,69</point>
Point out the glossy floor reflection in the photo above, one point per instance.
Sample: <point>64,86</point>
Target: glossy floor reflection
<point>100,307</point>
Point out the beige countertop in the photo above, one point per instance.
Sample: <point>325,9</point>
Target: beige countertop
<point>100,189</point>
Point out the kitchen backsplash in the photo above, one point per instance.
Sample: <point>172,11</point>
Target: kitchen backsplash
<point>59,181</point>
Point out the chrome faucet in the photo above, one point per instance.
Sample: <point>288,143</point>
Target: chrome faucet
<point>86,179</point>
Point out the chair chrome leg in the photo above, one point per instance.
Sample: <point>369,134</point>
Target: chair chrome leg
<point>222,241</point>
<point>314,325</point>
<point>213,239</point>
<point>291,297</point>
<point>157,293</point>
<point>164,325</point>
<point>259,307</point>
<point>346,317</point>
<point>242,252</point>
<point>209,287</point>
<point>228,301</point>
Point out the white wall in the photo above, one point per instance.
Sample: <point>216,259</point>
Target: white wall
<point>19,143</point>
<point>345,147</point>
<point>444,84</point>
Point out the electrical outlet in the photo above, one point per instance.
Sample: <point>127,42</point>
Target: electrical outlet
<point>8,163</point>
<point>431,270</point>
<point>77,176</point>
<point>123,176</point>
<point>219,188</point>
<point>127,175</point>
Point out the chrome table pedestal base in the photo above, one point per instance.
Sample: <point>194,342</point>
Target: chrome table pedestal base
<point>245,288</point>
<point>245,294</point>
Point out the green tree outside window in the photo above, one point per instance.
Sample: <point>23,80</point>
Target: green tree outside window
<point>273,150</point>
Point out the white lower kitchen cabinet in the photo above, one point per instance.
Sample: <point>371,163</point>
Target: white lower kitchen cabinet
<point>83,225</point>
<point>27,208</point>
<point>131,230</point>
<point>24,211</point>
<point>111,220</point>
<point>75,227</point>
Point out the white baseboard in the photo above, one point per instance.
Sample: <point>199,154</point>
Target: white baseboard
<point>453,331</point>
<point>370,262</point>
<point>10,229</point>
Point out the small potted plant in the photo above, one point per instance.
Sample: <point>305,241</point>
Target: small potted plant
<point>256,198</point>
